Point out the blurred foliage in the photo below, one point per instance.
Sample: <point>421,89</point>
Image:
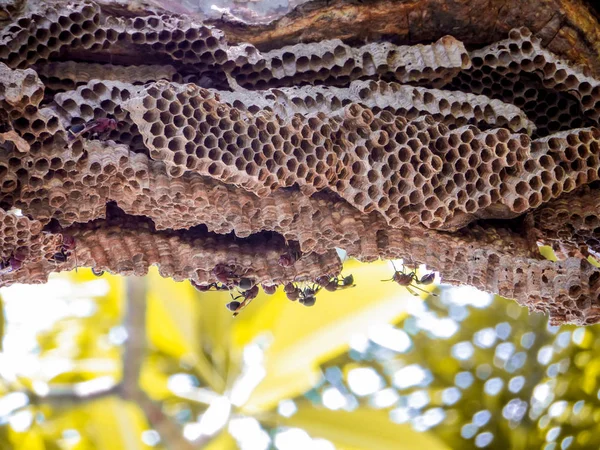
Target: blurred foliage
<point>492,376</point>
<point>366,368</point>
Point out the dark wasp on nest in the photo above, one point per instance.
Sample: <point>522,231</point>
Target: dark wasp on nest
<point>205,287</point>
<point>68,246</point>
<point>97,126</point>
<point>227,279</point>
<point>308,295</point>
<point>335,283</point>
<point>226,275</point>
<point>291,255</point>
<point>246,296</point>
<point>13,263</point>
<point>305,295</point>
<point>407,279</point>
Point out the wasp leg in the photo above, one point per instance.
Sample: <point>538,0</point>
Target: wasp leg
<point>236,298</point>
<point>245,303</point>
<point>423,290</point>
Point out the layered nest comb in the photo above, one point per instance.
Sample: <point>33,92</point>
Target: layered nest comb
<point>157,135</point>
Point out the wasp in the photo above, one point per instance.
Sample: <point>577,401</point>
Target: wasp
<point>335,283</point>
<point>308,295</point>
<point>226,275</point>
<point>291,255</point>
<point>407,279</point>
<point>97,126</point>
<point>68,245</point>
<point>12,264</point>
<point>209,286</point>
<point>305,296</point>
<point>246,296</point>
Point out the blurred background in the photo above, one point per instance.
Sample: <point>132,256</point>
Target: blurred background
<point>113,363</point>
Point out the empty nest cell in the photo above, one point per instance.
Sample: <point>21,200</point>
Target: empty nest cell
<point>415,171</point>
<point>333,62</point>
<point>517,70</point>
<point>68,75</point>
<point>452,108</point>
<point>181,255</point>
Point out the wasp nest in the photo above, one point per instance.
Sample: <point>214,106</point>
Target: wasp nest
<point>219,160</point>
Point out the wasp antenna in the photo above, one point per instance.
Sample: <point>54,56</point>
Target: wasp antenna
<point>389,279</point>
<point>394,266</point>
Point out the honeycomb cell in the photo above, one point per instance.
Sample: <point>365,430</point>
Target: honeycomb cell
<point>539,83</point>
<point>333,61</point>
<point>330,151</point>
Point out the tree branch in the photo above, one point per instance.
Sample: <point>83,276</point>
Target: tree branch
<point>67,399</point>
<point>133,357</point>
<point>135,345</point>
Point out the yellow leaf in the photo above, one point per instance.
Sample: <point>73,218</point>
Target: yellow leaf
<point>31,439</point>
<point>2,319</point>
<point>363,428</point>
<point>59,418</point>
<point>590,378</point>
<point>214,327</point>
<point>114,424</point>
<point>110,305</point>
<point>547,252</point>
<point>223,441</point>
<point>303,338</point>
<point>154,379</point>
<point>254,319</point>
<point>172,318</point>
<point>593,261</point>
